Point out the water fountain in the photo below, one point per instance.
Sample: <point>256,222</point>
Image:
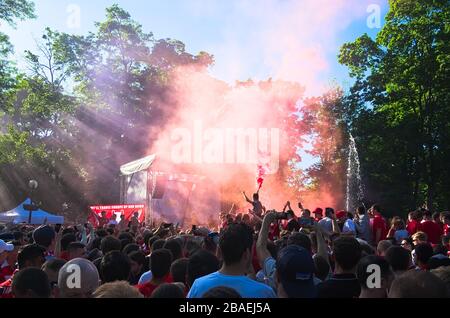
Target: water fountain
<point>355,190</point>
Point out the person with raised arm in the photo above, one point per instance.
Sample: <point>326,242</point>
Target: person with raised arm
<point>257,205</point>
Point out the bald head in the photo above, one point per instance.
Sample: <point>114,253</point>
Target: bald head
<point>78,278</point>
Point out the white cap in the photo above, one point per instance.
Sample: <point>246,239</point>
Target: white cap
<point>5,247</point>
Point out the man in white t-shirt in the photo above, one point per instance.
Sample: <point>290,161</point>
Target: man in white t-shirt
<point>236,248</point>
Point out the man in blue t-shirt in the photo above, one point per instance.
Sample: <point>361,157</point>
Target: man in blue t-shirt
<point>236,247</point>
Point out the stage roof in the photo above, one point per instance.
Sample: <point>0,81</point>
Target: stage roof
<point>138,165</point>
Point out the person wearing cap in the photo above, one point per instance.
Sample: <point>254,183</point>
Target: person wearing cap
<point>318,214</point>
<point>364,274</point>
<point>89,279</point>
<point>295,273</point>
<point>8,266</point>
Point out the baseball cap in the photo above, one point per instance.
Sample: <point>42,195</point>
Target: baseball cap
<point>341,214</point>
<point>5,247</point>
<point>318,211</point>
<point>295,269</point>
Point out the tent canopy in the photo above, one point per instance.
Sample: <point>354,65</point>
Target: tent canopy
<point>20,215</point>
<point>138,165</point>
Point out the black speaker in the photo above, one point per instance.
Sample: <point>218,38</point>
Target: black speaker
<point>160,187</point>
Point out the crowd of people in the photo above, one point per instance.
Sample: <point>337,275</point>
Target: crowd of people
<point>259,254</point>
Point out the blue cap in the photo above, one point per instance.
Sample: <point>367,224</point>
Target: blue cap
<point>295,268</point>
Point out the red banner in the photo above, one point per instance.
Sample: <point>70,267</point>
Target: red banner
<point>127,209</point>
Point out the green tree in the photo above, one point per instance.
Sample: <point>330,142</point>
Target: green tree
<point>120,75</point>
<point>401,107</point>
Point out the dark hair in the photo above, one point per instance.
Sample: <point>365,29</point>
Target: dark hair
<point>423,251</point>
<point>168,291</point>
<point>132,247</point>
<point>158,244</point>
<point>436,216</point>
<point>192,247</point>
<point>75,245</point>
<point>234,241</point>
<point>300,239</point>
<point>222,292</point>
<point>255,196</point>
<point>101,233</point>
<point>363,273</point>
<point>398,257</point>
<point>54,264</point>
<point>321,267</point>
<point>329,212</point>
<point>126,236</point>
<point>29,253</point>
<point>31,279</point>
<point>446,239</point>
<point>273,249</point>
<point>361,210</point>
<point>178,270</point>
<point>68,231</point>
<point>138,257</point>
<point>66,240</point>
<point>426,213</point>
<point>376,207</point>
<point>175,247</point>
<point>115,266</point>
<point>160,261</point>
<point>418,284</point>
<point>200,264</point>
<point>109,244</point>
<point>125,242</point>
<point>347,252</point>
<point>293,225</point>
<point>209,244</point>
<point>96,243</point>
<point>151,240</point>
<point>147,237</point>
<point>44,235</point>
<point>18,235</point>
<point>439,249</point>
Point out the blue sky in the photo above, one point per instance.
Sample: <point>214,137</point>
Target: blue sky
<point>233,30</point>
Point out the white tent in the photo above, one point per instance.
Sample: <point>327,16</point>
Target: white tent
<point>20,215</point>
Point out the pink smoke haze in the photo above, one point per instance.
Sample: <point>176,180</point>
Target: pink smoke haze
<point>293,38</point>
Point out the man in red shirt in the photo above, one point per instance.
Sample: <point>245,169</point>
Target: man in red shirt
<point>379,227</point>
<point>160,262</point>
<point>432,229</point>
<point>413,222</point>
